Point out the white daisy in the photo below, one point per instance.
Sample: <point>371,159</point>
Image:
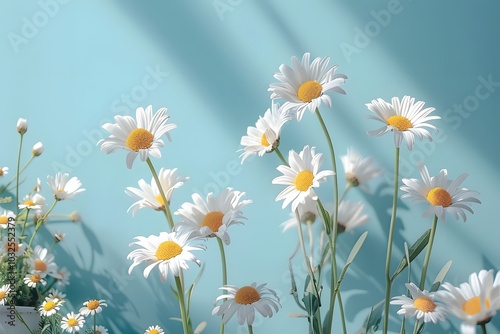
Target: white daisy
<point>244,301</point>
<point>63,277</point>
<point>38,213</point>
<point>4,293</point>
<point>33,202</point>
<point>50,306</point>
<point>304,85</point>
<point>9,246</point>
<point>149,195</point>
<point>213,217</point>
<point>42,262</point>
<point>33,280</point>
<point>265,136</point>
<point>140,136</point>
<point>4,171</point>
<point>443,195</point>
<point>421,304</point>
<point>474,302</point>
<point>301,176</point>
<point>154,330</point>
<point>54,293</point>
<point>169,251</point>
<point>62,188</point>
<point>72,322</point>
<point>406,118</point>
<point>100,330</point>
<point>92,307</point>
<point>350,215</point>
<point>6,217</point>
<point>359,170</point>
<point>308,212</point>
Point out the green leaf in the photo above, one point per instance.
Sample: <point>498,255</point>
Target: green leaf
<point>293,291</point>
<point>326,218</point>
<point>354,251</point>
<point>373,320</point>
<point>414,250</point>
<point>440,277</point>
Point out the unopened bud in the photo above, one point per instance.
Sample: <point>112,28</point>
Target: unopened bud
<point>75,217</point>
<point>58,237</point>
<point>37,149</point>
<point>22,125</point>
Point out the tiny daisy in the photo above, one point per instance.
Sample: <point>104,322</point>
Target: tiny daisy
<point>350,215</point>
<point>474,302</point>
<point>442,195</point>
<point>308,212</point>
<point>304,85</point>
<point>6,217</point>
<point>32,202</point>
<point>140,136</point>
<point>92,307</point>
<point>4,293</point>
<point>149,195</point>
<point>213,217</point>
<point>154,330</point>
<point>301,176</point>
<point>265,136</point>
<point>169,251</point>
<point>72,322</point>
<point>62,188</point>
<point>100,330</point>
<point>244,301</point>
<point>33,280</point>
<point>359,170</point>
<point>50,306</point>
<point>4,171</point>
<point>54,293</point>
<point>9,246</point>
<point>42,262</point>
<point>406,118</point>
<point>421,305</point>
<point>62,278</point>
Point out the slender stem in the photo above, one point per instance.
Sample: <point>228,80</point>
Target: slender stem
<point>483,328</point>
<point>224,275</point>
<point>40,222</point>
<point>428,253</point>
<point>166,209</point>
<point>95,322</point>
<point>282,158</point>
<point>250,330</point>
<point>311,241</point>
<point>347,187</point>
<point>182,306</point>
<point>341,310</point>
<point>389,243</point>
<point>17,173</point>
<point>25,222</point>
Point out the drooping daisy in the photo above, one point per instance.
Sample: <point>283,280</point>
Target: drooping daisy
<point>42,262</point>
<point>92,307</point>
<point>244,301</point>
<point>168,251</point>
<point>100,330</point>
<point>304,85</point>
<point>4,293</point>
<point>62,188</point>
<point>359,170</point>
<point>140,136</point>
<point>308,213</point>
<point>6,216</point>
<point>474,302</point>
<point>265,136</point>
<point>149,195</point>
<point>50,306</point>
<point>72,322</point>
<point>442,195</point>
<point>350,215</point>
<point>4,171</point>
<point>301,176</point>
<point>33,280</point>
<point>213,217</point>
<point>154,330</point>
<point>421,305</point>
<point>406,118</point>
<point>9,246</point>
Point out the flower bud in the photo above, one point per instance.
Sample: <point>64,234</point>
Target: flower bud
<point>22,125</point>
<point>75,217</point>
<point>58,237</point>
<point>37,149</point>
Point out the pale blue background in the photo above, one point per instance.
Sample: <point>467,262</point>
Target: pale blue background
<point>72,73</point>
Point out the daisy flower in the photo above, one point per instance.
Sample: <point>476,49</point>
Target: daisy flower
<point>308,211</point>
<point>474,302</point>
<point>92,307</point>
<point>62,278</point>
<point>154,330</point>
<point>4,171</point>
<point>406,118</point>
<point>42,262</point>
<point>304,85</point>
<point>168,251</point>
<point>6,216</point>
<point>350,215</point>
<point>33,202</point>
<point>50,306</point>
<point>140,136</point>
<point>4,293</point>
<point>421,305</point>
<point>300,177</point>
<point>244,301</point>
<point>11,247</point>
<point>149,195</point>
<point>72,322</point>
<point>442,195</point>
<point>265,136</point>
<point>212,218</point>
<point>62,188</point>
<point>359,170</point>
<point>33,280</point>
<point>100,330</point>
<point>54,293</point>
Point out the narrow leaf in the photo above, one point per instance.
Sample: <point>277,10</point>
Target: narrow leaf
<point>354,251</point>
<point>414,250</point>
<point>440,276</point>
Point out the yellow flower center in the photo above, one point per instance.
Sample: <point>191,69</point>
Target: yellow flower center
<point>29,203</point>
<point>246,295</point>
<point>263,140</point>
<point>167,250</point>
<point>139,139</point>
<point>154,331</point>
<point>2,294</point>
<point>50,305</point>
<point>304,180</point>
<point>213,220</point>
<point>72,322</point>
<point>399,122</point>
<point>160,199</point>
<point>439,196</point>
<point>35,278</point>
<point>4,220</point>
<point>92,304</point>
<point>473,305</point>
<point>40,265</point>
<point>1,172</point>
<point>424,304</point>
<point>309,90</point>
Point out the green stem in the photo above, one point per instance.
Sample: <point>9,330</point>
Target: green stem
<point>25,222</point>
<point>17,173</point>
<point>483,328</point>
<point>166,209</point>
<point>40,222</point>
<point>95,322</point>
<point>428,253</point>
<point>342,314</point>
<point>182,306</point>
<point>22,321</point>
<point>389,244</point>
<point>250,330</point>
<point>224,275</point>
<point>282,158</point>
